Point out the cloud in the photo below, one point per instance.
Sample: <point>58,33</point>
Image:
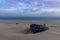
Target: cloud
<point>52,0</point>
<point>36,8</point>
<point>31,12</point>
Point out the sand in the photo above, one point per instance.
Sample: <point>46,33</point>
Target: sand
<point>9,30</point>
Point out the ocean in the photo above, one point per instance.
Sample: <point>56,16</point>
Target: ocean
<point>32,19</point>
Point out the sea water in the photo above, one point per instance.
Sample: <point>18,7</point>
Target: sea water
<point>32,19</point>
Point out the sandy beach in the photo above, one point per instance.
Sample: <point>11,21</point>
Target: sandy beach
<point>9,30</point>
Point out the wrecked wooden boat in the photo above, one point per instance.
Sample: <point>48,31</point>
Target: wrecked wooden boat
<point>37,28</point>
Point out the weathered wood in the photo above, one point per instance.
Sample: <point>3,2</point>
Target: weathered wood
<point>37,28</point>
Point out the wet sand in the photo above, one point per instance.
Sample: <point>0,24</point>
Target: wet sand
<point>12,31</point>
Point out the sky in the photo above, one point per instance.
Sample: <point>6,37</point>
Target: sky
<point>29,8</point>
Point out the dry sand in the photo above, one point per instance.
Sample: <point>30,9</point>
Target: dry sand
<point>12,31</point>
